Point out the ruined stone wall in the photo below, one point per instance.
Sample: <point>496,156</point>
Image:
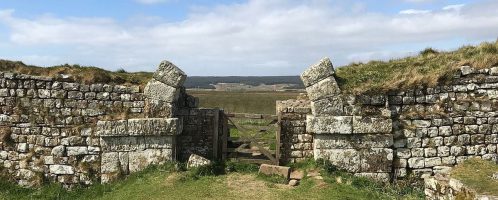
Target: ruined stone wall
<point>47,126</point>
<point>442,126</point>
<point>295,143</point>
<point>77,134</point>
<point>423,130</point>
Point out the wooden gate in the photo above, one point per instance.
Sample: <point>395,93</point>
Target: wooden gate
<point>258,144</point>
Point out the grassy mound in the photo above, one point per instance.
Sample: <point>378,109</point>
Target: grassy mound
<point>428,68</point>
<point>477,174</point>
<point>236,181</point>
<point>82,74</point>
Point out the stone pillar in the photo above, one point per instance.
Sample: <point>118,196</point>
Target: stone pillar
<point>351,135</point>
<point>163,91</point>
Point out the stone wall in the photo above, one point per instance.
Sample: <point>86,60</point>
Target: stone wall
<point>77,134</point>
<point>442,126</point>
<point>420,131</point>
<point>295,143</point>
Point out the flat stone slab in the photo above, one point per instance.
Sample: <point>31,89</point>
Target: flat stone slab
<point>329,124</point>
<point>139,127</point>
<point>170,74</point>
<point>317,72</point>
<point>275,170</point>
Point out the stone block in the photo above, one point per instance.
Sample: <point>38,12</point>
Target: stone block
<point>431,162</point>
<point>324,88</point>
<point>376,160</point>
<point>416,162</point>
<point>61,169</point>
<point>328,106</point>
<point>170,74</point>
<point>139,160</point>
<point>76,151</point>
<point>347,159</point>
<point>159,109</point>
<point>329,124</point>
<point>197,161</point>
<point>371,125</point>
<point>317,72</point>
<point>110,163</point>
<point>274,170</point>
<point>139,127</point>
<point>155,90</point>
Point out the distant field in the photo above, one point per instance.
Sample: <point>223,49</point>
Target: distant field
<point>242,102</point>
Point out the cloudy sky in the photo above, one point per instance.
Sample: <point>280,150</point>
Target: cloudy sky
<point>236,37</point>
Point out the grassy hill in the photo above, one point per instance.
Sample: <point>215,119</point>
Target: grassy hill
<point>428,68</point>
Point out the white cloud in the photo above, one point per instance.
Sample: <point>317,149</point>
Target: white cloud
<point>414,12</point>
<point>259,37</point>
<point>151,1</point>
<point>456,7</point>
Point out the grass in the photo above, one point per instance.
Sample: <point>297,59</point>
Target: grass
<point>477,174</point>
<point>243,182</point>
<point>82,74</point>
<point>428,68</point>
<point>242,102</point>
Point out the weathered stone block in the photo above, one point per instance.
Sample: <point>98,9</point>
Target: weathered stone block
<point>347,159</point>
<point>170,74</point>
<point>328,106</point>
<point>141,126</point>
<point>159,109</point>
<point>110,163</point>
<point>61,169</point>
<point>371,125</point>
<point>76,151</point>
<point>139,160</point>
<point>324,88</point>
<point>275,170</point>
<point>329,124</point>
<point>197,161</point>
<point>416,163</point>
<point>156,90</point>
<point>317,72</point>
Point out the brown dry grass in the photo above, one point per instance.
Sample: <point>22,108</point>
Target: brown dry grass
<point>82,74</point>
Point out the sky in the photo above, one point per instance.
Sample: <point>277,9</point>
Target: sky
<point>236,37</point>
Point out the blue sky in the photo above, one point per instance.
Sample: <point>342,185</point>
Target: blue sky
<point>222,37</point>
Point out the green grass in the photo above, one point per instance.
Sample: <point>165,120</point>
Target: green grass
<point>428,68</point>
<point>477,174</point>
<point>242,183</point>
<point>242,102</point>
